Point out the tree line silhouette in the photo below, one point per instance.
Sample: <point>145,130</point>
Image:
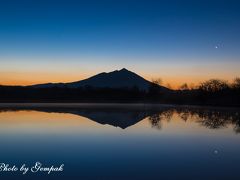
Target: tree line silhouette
<point>212,92</point>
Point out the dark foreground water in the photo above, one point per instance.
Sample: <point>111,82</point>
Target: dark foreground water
<point>120,141</point>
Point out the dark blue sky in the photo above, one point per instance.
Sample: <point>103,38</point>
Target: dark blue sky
<point>169,39</point>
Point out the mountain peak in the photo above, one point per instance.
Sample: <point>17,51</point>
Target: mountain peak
<point>124,69</point>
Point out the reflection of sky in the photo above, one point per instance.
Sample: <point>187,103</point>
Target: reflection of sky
<point>88,149</point>
<point>55,41</point>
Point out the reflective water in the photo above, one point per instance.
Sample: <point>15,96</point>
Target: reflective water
<point>121,141</point>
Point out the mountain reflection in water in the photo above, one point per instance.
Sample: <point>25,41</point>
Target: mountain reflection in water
<point>121,141</point>
<point>124,116</point>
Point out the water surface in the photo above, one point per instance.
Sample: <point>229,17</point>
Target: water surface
<point>121,141</point>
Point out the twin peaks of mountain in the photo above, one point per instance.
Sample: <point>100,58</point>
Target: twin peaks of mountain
<point>116,79</point>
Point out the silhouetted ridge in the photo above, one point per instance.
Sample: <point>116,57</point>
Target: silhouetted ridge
<point>116,79</point>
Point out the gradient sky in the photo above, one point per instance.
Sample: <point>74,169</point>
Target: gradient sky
<point>60,41</point>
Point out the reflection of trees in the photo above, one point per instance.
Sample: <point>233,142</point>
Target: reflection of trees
<point>237,129</point>
<point>167,114</point>
<point>213,119</point>
<point>210,118</point>
<point>156,119</point>
<point>237,126</point>
<point>184,115</point>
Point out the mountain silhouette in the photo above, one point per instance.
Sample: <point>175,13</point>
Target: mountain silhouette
<point>116,79</point>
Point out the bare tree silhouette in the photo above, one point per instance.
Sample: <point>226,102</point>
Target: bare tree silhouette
<point>236,83</point>
<point>184,86</point>
<point>213,85</point>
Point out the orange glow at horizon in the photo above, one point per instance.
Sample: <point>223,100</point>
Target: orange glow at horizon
<point>24,79</point>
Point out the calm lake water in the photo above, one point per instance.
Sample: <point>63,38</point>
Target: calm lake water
<point>121,141</point>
